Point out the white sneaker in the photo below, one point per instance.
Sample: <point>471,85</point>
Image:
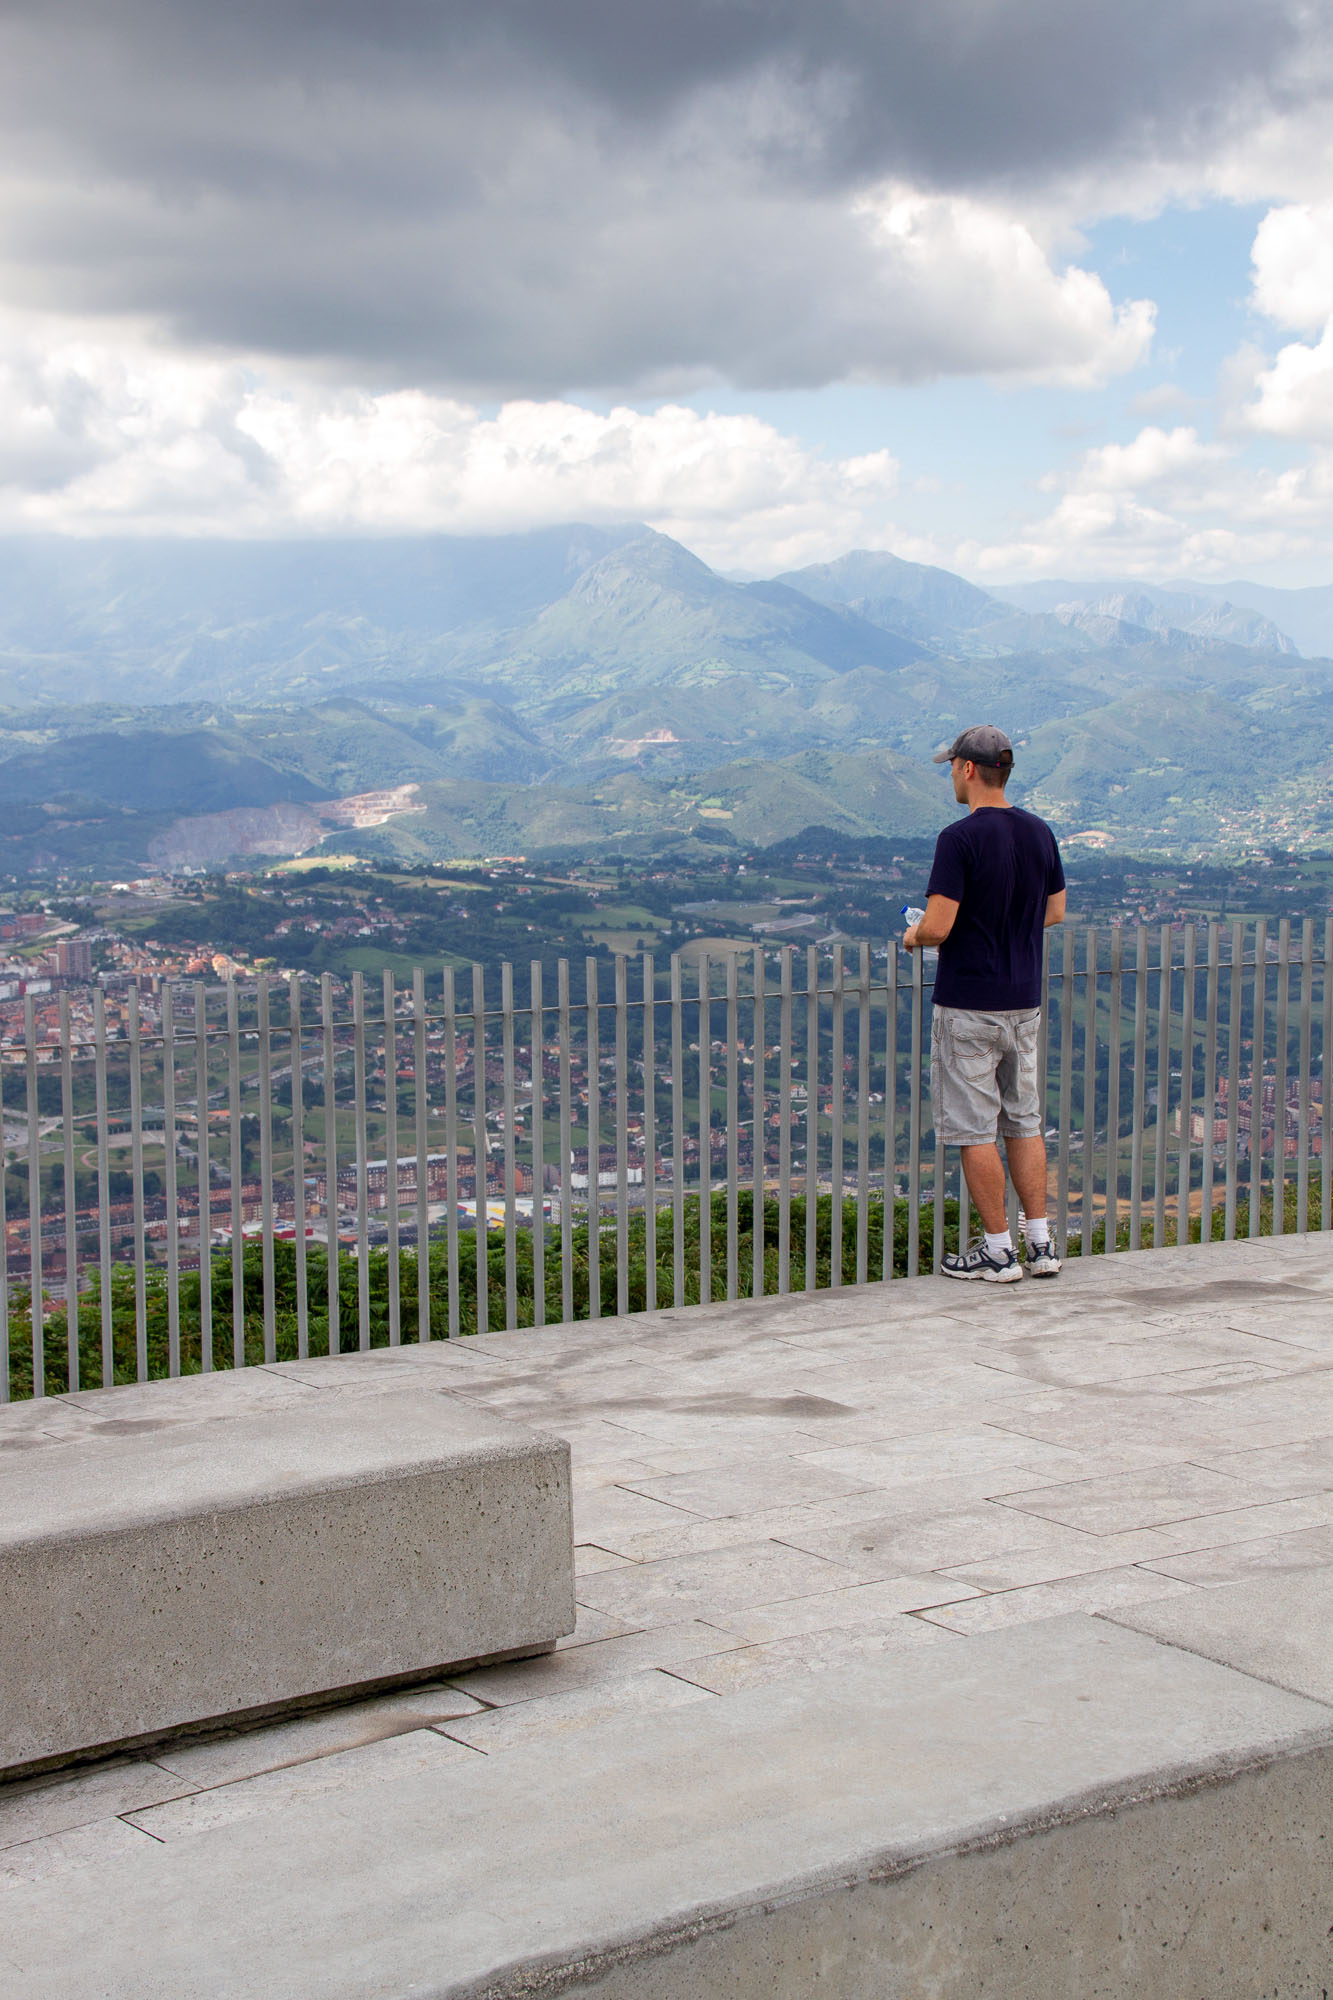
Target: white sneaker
<point>1042,1261</point>
<point>993,1267</point>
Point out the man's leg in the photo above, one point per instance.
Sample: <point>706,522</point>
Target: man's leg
<point>1027,1170</point>
<point>965,1047</point>
<point>983,1170</point>
<point>1026,1149</point>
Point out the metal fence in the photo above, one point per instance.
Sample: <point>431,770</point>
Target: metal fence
<point>202,1177</point>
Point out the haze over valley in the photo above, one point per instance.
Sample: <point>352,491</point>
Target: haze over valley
<point>190,704</point>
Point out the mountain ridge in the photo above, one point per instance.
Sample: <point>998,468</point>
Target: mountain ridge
<point>613,664</point>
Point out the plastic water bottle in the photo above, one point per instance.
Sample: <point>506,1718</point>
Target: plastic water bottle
<point>913,915</point>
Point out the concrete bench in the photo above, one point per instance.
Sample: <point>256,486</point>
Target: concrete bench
<point>158,1575</point>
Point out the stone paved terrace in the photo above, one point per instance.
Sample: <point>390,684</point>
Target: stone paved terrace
<point>871,1582</point>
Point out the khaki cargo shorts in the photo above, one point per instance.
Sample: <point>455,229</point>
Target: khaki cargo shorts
<point>983,1075</point>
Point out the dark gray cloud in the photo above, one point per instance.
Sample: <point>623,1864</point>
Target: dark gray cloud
<point>529,195</point>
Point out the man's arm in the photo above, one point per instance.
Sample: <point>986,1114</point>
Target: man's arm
<point>934,927</point>
<point>1055,909</point>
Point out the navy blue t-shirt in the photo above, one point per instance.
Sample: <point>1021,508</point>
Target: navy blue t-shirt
<point>999,865</point>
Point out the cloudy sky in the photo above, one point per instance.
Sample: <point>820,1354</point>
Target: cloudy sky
<point>1018,286</point>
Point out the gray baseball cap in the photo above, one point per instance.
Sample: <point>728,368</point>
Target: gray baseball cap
<point>983,743</point>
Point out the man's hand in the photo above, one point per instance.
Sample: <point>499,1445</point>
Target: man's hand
<point>934,927</point>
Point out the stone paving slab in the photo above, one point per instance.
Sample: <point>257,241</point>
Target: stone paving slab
<point>35,1810</point>
<point>1279,1629</point>
<point>284,1746</point>
<point>1236,1561</point>
<point>1022,1592</point>
<point>646,1692</point>
<point>266,1792</point>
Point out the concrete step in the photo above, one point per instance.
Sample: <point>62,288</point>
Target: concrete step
<point>234,1555</point>
<point>1066,1809</point>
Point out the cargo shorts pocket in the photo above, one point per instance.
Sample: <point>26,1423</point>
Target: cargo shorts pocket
<point>974,1050</point>
<point>1020,1096</point>
<point>965,1054</point>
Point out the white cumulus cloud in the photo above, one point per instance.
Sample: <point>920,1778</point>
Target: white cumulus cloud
<point>104,436</point>
<point>1291,392</point>
<point>986,297</point>
<point>1294,395</point>
<point>1168,503</point>
<point>1293,265</point>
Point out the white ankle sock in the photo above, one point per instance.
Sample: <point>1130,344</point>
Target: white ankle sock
<point>998,1244</point>
<point>1037,1231</point>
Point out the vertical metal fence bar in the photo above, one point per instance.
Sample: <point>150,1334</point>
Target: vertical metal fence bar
<point>1066,1113</point>
<point>203,1162</point>
<point>1184,1154</point>
<point>1235,1009</point>
<point>1307,983</point>
<point>296,1044</point>
<point>594,1067</point>
<point>621,1120</point>
<point>915,998</point>
<point>863,1120</point>
<point>266,1167</point>
<point>566,1146</point>
<point>1258,1064</point>
<point>135,1053</point>
<point>234,1177</point>
<point>758,1119</point>
<point>677,1008</point>
<point>421,1146</point>
<point>838,1106</point>
<point>1164,971</point>
<point>1281,1054</point>
<point>480,1150</point>
<point>784,1116</point>
<point>937,1229</point>
<point>811,1117</point>
<point>1325,1035</point>
<point>103,1189</point>
<point>1044,1029</point>
<point>454,1322</point>
<point>705,983</point>
<point>4,1259</point>
<point>1140,1094</point>
<point>71,1200</point>
<point>169,1179</point>
<point>362,1161</point>
<point>331,1163</point>
<point>1113,1050</point>
<point>733,1119</point>
<point>510,1107</point>
<point>1208,1152</point>
<point>389,1044</point>
<point>36,1316</point>
<point>887,1266</point>
<point>649,1131</point>
<point>537,1028</point>
<point>1088,1150</point>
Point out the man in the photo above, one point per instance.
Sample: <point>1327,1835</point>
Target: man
<point>995,885</point>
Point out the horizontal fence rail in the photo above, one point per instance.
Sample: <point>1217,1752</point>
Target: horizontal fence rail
<point>204,1177</point>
